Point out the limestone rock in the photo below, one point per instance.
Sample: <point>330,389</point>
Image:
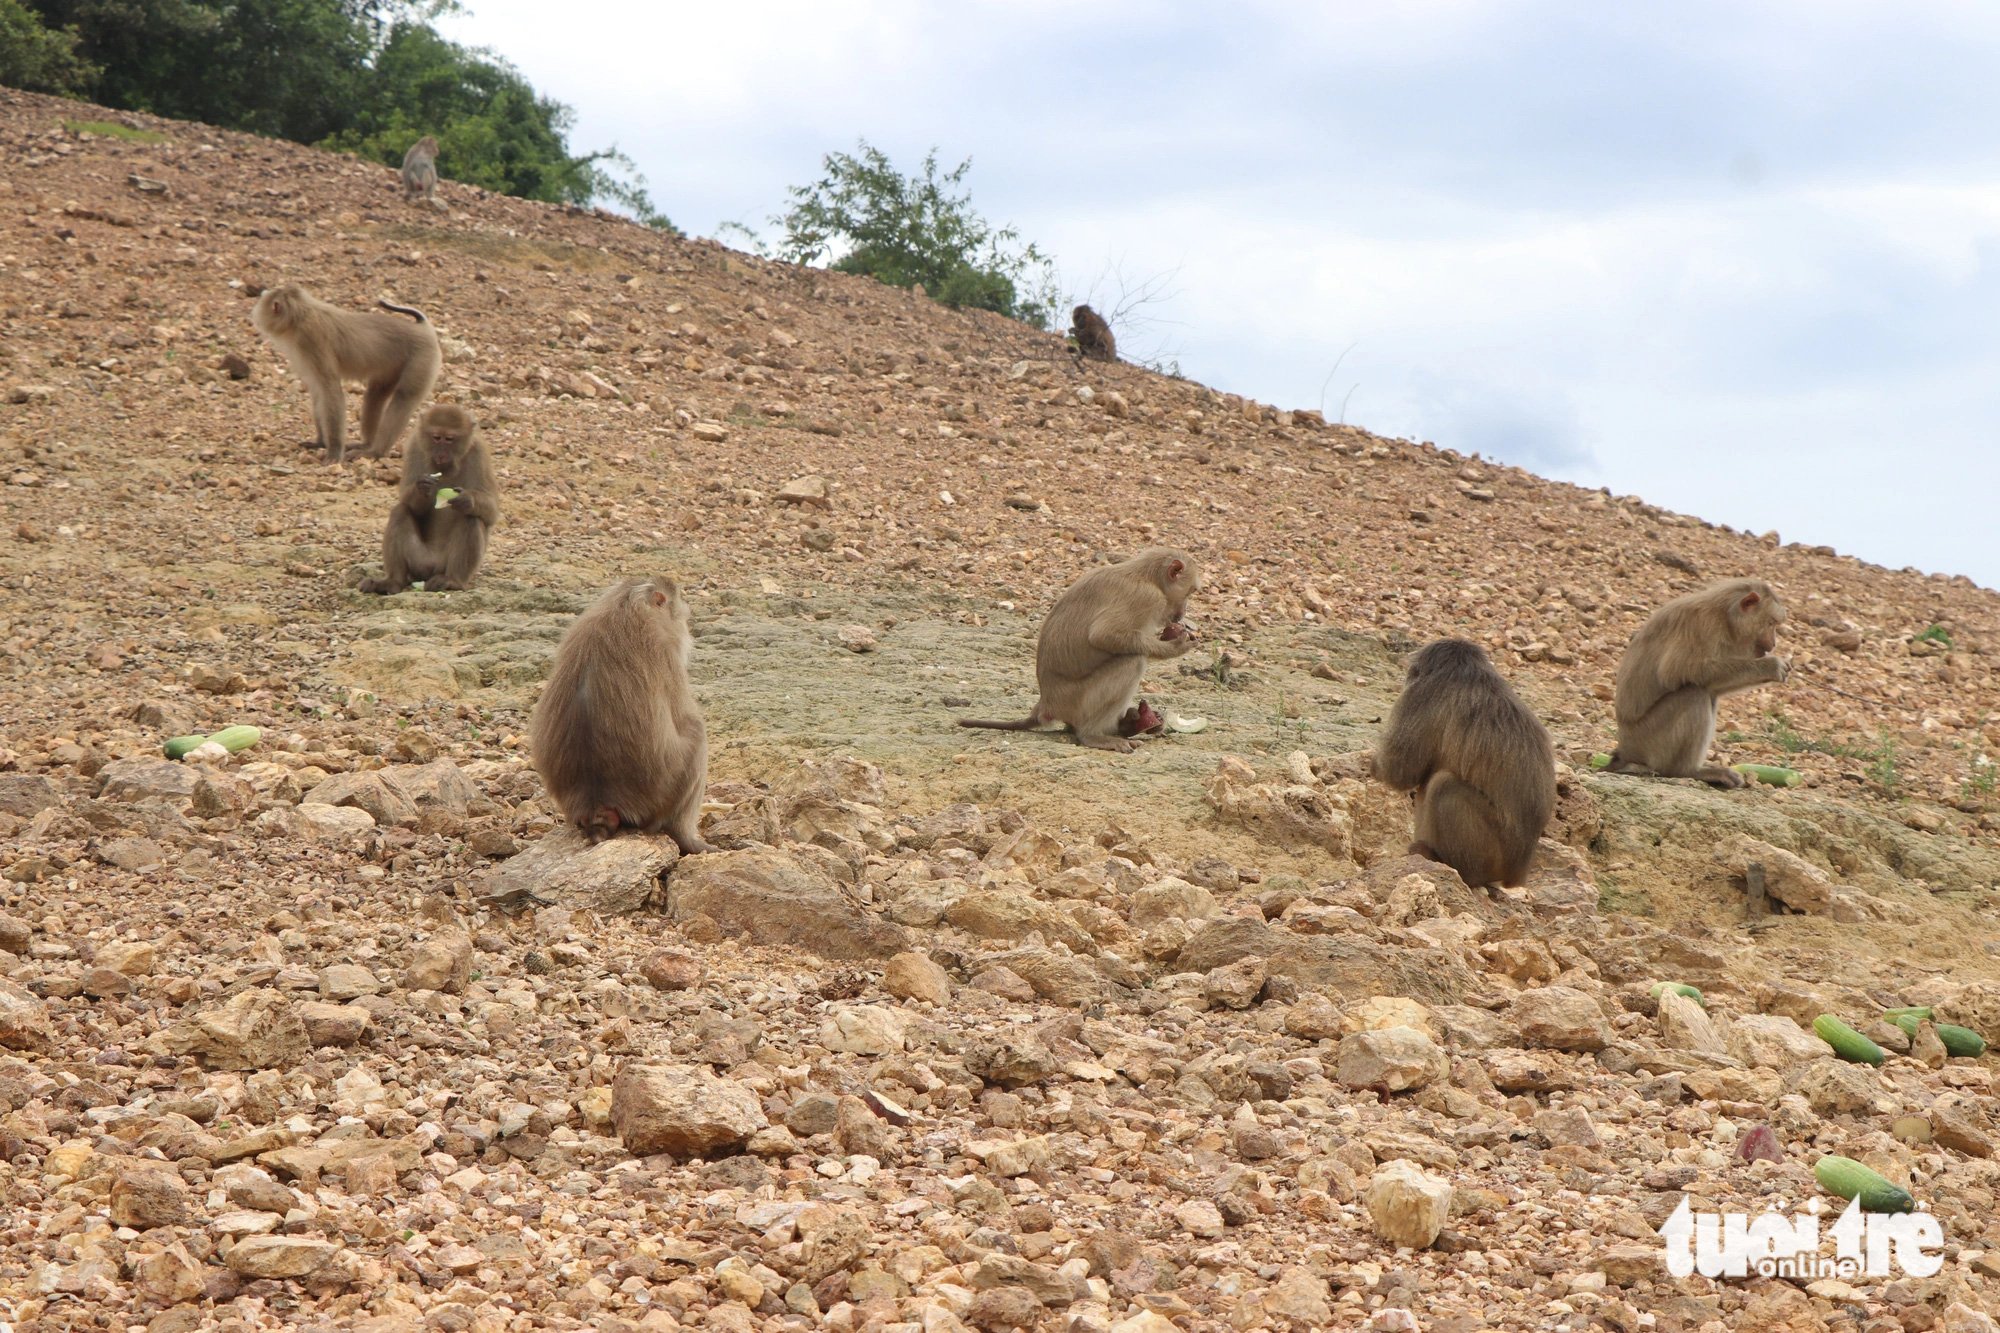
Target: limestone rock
<point>1560,1018</point>
<point>1407,1206</point>
<point>612,877</point>
<point>1790,879</point>
<point>774,897</point>
<point>1391,1059</point>
<point>681,1110</point>
<point>24,1019</point>
<point>442,962</point>
<point>864,1029</point>
<point>279,1256</point>
<point>258,1028</point>
<point>913,976</point>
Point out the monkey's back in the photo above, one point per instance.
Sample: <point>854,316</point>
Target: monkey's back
<point>604,727</point>
<point>1063,652</point>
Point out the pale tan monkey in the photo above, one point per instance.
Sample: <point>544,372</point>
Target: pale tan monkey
<point>1093,648</point>
<point>395,359</point>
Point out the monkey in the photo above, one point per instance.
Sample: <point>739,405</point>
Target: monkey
<point>442,544</point>
<point>396,359</point>
<point>617,735</point>
<point>1093,336</point>
<point>420,175</point>
<point>1094,646</point>
<point>1478,764</point>
<point>1690,653</point>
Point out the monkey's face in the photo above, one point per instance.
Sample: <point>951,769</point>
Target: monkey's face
<point>444,445</point>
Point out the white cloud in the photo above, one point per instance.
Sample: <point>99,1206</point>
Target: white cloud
<point>1740,259</point>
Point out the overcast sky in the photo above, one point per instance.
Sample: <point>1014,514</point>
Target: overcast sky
<point>1740,259</point>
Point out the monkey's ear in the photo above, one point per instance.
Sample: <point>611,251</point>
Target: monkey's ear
<point>658,598</point>
<point>1749,602</point>
<point>1175,569</point>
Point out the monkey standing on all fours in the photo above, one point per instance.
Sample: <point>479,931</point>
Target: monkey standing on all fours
<point>396,359</point>
<point>1093,648</point>
<point>1690,653</point>
<point>1477,762</point>
<point>433,535</point>
<point>617,735</point>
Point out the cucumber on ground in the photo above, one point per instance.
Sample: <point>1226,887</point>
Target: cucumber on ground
<point>236,738</point>
<point>1679,988</point>
<point>1960,1041</point>
<point>1920,1012</point>
<point>1600,761</point>
<point>180,745</point>
<point>1846,1042</point>
<point>1851,1180</point>
<point>1770,774</point>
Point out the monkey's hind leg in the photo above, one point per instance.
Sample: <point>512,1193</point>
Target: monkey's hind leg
<point>463,550</point>
<point>404,558</point>
<point>1457,825</point>
<point>403,398</point>
<point>1672,741</point>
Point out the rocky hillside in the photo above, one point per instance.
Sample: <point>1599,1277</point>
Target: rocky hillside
<point>967,1030</point>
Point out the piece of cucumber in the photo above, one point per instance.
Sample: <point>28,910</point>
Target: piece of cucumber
<point>1600,761</point>
<point>445,495</point>
<point>1920,1012</point>
<point>1679,988</point>
<point>231,739</point>
<point>1770,774</point>
<point>1851,1180</point>
<point>1846,1042</point>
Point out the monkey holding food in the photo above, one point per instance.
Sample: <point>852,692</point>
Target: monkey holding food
<point>1477,762</point>
<point>617,735</point>
<point>1094,647</point>
<point>395,359</point>
<point>444,507</point>
<point>1690,653</point>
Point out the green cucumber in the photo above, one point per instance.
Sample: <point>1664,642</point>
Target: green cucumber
<point>1851,1180</point>
<point>445,495</point>
<point>231,739</point>
<point>1920,1012</point>
<point>1770,774</point>
<point>1960,1041</point>
<point>1846,1042</point>
<point>1679,988</point>
<point>1600,761</point>
<point>236,738</point>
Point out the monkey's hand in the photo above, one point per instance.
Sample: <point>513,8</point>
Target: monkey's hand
<point>462,502</point>
<point>1781,668</point>
<point>1175,639</point>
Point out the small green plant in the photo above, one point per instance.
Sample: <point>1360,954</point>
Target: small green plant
<point>1788,739</point>
<point>1983,779</point>
<point>112,130</point>
<point>1936,634</point>
<point>1882,771</point>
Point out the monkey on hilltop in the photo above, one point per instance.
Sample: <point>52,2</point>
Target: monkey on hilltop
<point>1093,336</point>
<point>1690,653</point>
<point>1095,644</point>
<point>617,735</point>
<point>396,359</point>
<point>433,537</point>
<point>420,177</point>
<point>1478,764</point>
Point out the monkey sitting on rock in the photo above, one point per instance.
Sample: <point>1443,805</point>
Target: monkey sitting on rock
<point>1478,764</point>
<point>617,735</point>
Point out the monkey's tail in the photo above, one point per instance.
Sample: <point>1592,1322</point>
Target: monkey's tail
<point>1032,722</point>
<point>409,310</point>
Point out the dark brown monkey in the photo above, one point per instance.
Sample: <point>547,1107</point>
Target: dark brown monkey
<point>1692,651</point>
<point>420,177</point>
<point>1094,646</point>
<point>1093,336</point>
<point>617,735</point>
<point>440,543</point>
<point>1477,762</point>
<point>396,359</point>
